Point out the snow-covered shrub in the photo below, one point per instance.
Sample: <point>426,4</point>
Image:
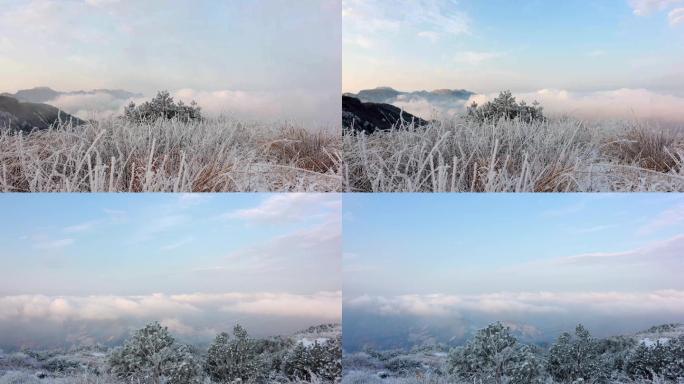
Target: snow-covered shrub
<point>183,366</point>
<point>527,366</point>
<point>152,355</point>
<point>675,365</point>
<point>660,359</point>
<point>360,361</point>
<point>505,107</point>
<point>234,359</point>
<point>403,365</point>
<point>576,358</point>
<point>361,377</point>
<point>162,106</point>
<point>20,360</point>
<point>494,355</point>
<point>646,361</point>
<point>61,365</point>
<point>18,377</point>
<point>614,352</point>
<point>273,352</point>
<point>320,359</point>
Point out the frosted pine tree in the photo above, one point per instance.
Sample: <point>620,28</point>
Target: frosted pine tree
<point>182,366</point>
<point>576,358</point>
<point>151,356</point>
<point>229,360</point>
<point>674,370</point>
<point>494,356</point>
<point>322,360</point>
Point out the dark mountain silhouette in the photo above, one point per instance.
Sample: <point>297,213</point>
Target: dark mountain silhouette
<point>46,94</point>
<point>370,117</point>
<point>390,95</point>
<point>26,117</point>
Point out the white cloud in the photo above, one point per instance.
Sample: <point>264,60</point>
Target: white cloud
<point>360,41</point>
<point>596,53</point>
<point>177,244</point>
<point>304,106</point>
<point>159,224</point>
<point>54,244</point>
<point>289,207</point>
<point>665,253</point>
<point>671,216</point>
<point>82,227</point>
<point>315,249</point>
<point>645,7</point>
<point>62,308</point>
<point>676,16</point>
<point>183,309</point>
<point>427,18</point>
<point>476,58</point>
<point>525,303</point>
<point>429,35</point>
<point>190,199</point>
<point>616,104</point>
<point>595,228</point>
<point>325,304</point>
<point>91,106</point>
<point>100,3</point>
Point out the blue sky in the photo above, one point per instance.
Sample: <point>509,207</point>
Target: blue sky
<point>487,46</point>
<point>463,244</point>
<point>232,56</point>
<point>197,262</point>
<point>445,265</point>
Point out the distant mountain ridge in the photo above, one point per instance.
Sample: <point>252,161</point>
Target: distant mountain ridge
<point>47,94</point>
<point>420,103</point>
<point>390,95</point>
<point>369,117</point>
<point>25,116</point>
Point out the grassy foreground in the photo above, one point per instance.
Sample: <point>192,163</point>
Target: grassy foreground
<point>213,155</point>
<point>559,155</point>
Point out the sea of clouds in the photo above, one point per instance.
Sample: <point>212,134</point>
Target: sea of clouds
<point>43,321</point>
<point>308,108</point>
<point>620,104</point>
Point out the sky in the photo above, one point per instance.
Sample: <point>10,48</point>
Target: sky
<point>538,260</point>
<point>579,53</point>
<point>252,59</point>
<point>88,268</point>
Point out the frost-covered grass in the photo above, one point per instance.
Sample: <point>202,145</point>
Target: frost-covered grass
<point>511,156</point>
<point>213,155</point>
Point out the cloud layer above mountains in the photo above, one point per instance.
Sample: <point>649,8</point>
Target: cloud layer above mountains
<point>309,108</point>
<point>54,321</point>
<point>616,104</point>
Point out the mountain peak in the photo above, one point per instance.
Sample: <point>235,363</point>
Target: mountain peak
<point>385,88</point>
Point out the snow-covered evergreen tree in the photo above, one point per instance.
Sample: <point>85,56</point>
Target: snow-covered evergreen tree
<point>162,106</point>
<point>660,359</point>
<point>234,359</point>
<point>576,358</point>
<point>151,355</point>
<point>320,359</point>
<point>494,356</point>
<point>674,370</point>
